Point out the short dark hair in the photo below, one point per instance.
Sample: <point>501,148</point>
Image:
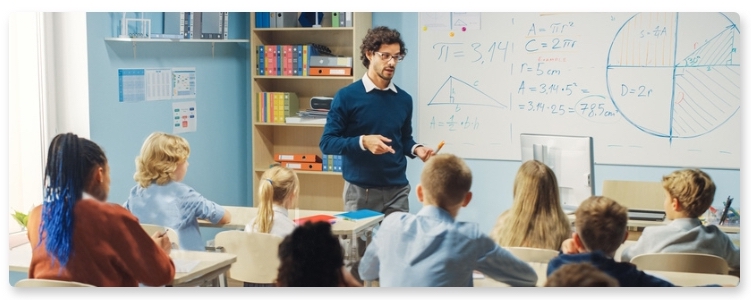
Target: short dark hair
<point>580,275</point>
<point>375,38</point>
<point>310,256</point>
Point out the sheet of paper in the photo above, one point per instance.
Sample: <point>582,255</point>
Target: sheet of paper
<point>184,265</point>
<point>184,117</point>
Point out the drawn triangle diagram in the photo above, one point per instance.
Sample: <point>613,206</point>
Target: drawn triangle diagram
<point>717,51</point>
<point>459,22</point>
<point>456,92</point>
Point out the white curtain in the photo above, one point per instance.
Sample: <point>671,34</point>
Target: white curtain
<point>48,94</point>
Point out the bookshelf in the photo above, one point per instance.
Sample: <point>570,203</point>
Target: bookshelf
<point>318,190</point>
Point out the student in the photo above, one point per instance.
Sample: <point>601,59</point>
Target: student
<point>536,219</point>
<point>77,236</point>
<point>161,198</point>
<point>311,256</point>
<point>580,275</point>
<point>277,192</point>
<point>600,229</point>
<point>688,194</point>
<point>431,248</point>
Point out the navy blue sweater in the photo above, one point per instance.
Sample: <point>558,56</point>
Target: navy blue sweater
<point>354,113</point>
<point>626,273</point>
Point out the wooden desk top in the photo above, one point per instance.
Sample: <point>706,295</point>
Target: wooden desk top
<point>642,224</point>
<point>694,279</point>
<point>241,215</point>
<point>209,262</point>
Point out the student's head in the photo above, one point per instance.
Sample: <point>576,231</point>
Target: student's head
<point>163,158</point>
<point>386,41</point>
<point>580,275</point>
<point>74,165</point>
<point>310,256</point>
<point>600,225</point>
<point>689,193</point>
<point>445,182</point>
<point>536,218</point>
<point>280,186</point>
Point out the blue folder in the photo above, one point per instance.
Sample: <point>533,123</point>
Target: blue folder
<point>358,214</point>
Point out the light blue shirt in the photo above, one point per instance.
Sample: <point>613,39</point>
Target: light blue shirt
<point>177,206</point>
<point>685,235</point>
<point>431,249</point>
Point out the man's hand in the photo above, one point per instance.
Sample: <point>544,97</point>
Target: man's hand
<point>424,153</point>
<point>376,144</point>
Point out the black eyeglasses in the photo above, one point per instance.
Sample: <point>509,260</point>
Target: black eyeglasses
<point>388,56</point>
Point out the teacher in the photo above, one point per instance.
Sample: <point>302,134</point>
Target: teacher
<point>370,126</point>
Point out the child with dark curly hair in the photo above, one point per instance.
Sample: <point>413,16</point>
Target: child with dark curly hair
<point>311,256</point>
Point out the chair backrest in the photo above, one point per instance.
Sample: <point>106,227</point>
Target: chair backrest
<point>171,233</point>
<point>532,255</point>
<point>681,262</point>
<point>257,259</point>
<point>33,282</point>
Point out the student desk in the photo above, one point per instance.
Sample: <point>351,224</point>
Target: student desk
<point>677,278</point>
<point>241,216</point>
<point>210,266</point>
<point>635,227</point>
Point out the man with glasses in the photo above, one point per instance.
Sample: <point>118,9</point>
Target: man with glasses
<point>370,125</point>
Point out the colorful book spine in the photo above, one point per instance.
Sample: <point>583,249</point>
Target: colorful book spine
<point>299,60</point>
<point>305,57</point>
<point>261,56</point>
<point>325,163</point>
<point>288,60</point>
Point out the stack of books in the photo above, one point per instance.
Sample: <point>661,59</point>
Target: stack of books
<point>296,161</point>
<point>275,107</point>
<point>309,116</point>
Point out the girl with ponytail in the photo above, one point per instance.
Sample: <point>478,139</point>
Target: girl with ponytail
<point>277,192</point>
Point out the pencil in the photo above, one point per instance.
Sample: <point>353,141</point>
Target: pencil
<point>440,145</point>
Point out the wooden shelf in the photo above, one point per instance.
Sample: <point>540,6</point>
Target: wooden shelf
<point>318,190</point>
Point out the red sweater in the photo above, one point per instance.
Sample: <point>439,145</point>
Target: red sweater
<point>109,248</point>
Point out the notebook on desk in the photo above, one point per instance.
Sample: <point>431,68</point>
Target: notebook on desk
<point>359,214</point>
<point>316,218</point>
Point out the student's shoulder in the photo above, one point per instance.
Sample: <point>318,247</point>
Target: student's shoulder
<point>104,211</point>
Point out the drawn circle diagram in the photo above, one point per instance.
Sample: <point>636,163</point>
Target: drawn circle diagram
<point>676,75</point>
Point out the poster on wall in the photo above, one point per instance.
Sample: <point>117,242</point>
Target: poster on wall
<point>149,84</point>
<point>184,117</point>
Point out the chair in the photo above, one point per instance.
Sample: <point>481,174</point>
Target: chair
<point>257,259</point>
<point>681,262</point>
<point>34,282</point>
<point>533,255</point>
<point>171,233</point>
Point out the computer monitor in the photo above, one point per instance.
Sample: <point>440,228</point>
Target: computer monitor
<point>572,160</point>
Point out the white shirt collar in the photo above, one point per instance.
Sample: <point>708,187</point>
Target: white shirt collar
<point>280,209</point>
<point>369,85</point>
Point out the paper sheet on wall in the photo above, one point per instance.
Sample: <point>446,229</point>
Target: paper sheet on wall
<point>149,84</point>
<point>184,117</point>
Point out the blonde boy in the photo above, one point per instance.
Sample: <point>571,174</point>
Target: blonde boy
<point>431,248</point>
<point>600,230</point>
<point>688,194</point>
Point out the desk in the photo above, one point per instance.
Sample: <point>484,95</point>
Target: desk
<point>241,215</point>
<point>694,279</point>
<point>210,266</point>
<point>540,268</point>
<point>635,227</point>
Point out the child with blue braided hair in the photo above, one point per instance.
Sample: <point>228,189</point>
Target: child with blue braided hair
<point>77,236</point>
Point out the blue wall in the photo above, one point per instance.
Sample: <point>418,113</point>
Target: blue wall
<point>493,179</point>
<point>219,148</point>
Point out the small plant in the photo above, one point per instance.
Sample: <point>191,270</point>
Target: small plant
<point>20,217</point>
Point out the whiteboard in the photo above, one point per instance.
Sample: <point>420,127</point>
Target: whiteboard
<point>657,89</point>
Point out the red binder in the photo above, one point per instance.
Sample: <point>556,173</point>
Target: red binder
<point>282,157</point>
<point>303,166</point>
<point>316,218</point>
